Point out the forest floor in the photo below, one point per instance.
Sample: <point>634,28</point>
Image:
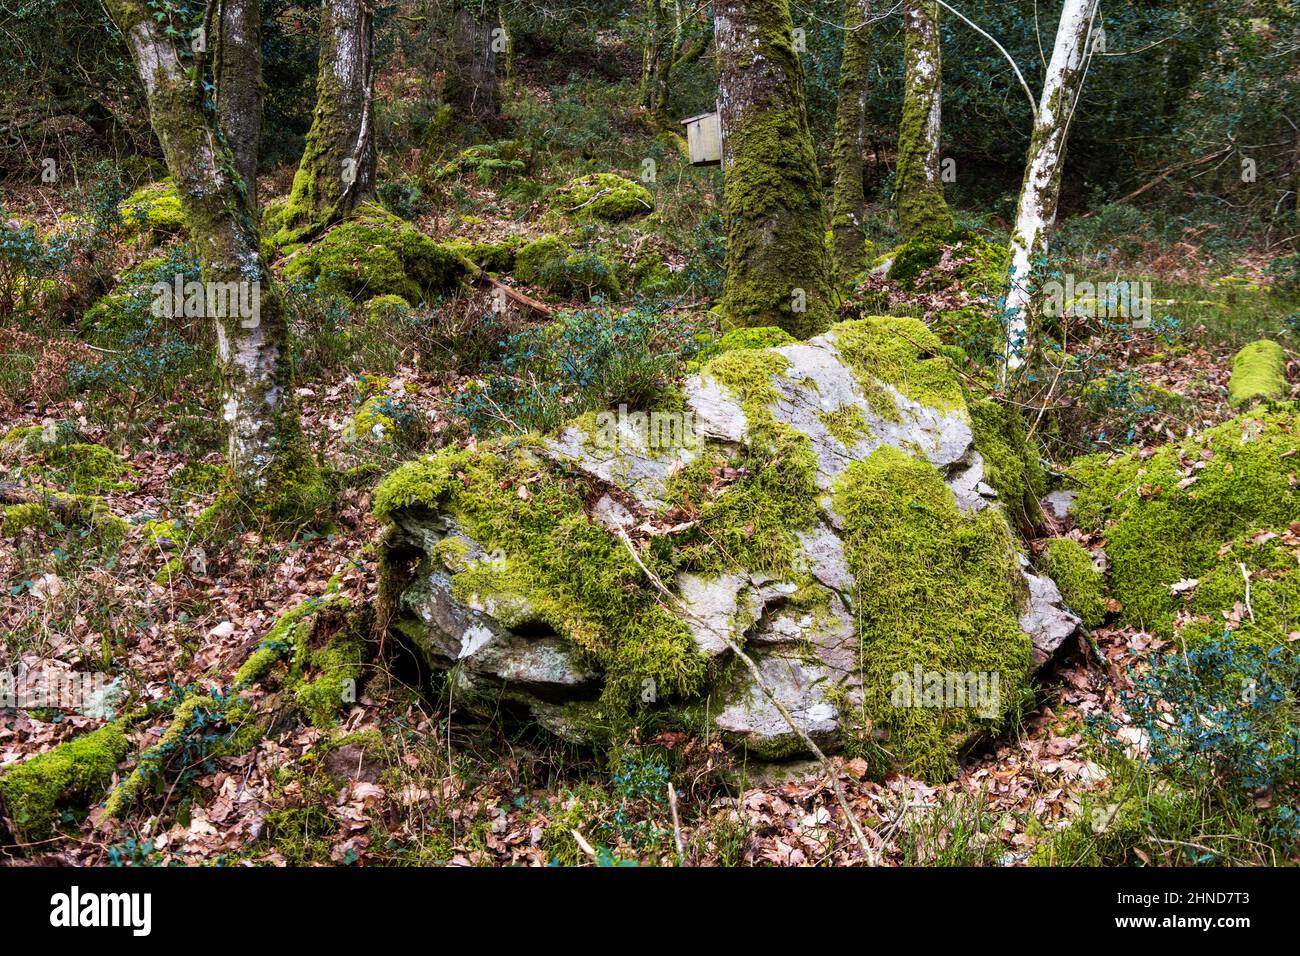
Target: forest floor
<point>448,788</point>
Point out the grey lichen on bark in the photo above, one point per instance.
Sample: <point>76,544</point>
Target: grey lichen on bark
<point>271,470</point>
<point>922,209</point>
<point>848,207</point>
<point>778,269</point>
<point>337,171</point>
<point>237,69</point>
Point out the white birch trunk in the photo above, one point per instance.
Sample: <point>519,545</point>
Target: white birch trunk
<point>1036,211</point>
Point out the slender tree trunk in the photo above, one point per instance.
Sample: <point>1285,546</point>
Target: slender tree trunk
<point>778,271</point>
<point>921,206</point>
<point>237,65</point>
<point>269,463</point>
<point>473,87</point>
<point>337,170</point>
<point>848,209</point>
<point>651,52</point>
<point>1036,210</point>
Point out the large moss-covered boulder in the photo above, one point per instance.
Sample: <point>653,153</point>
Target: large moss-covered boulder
<point>1190,512</point>
<point>375,253</point>
<point>821,504</point>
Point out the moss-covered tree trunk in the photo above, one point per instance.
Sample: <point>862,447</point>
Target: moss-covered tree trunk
<point>848,208</point>
<point>921,206</point>
<point>1036,210</point>
<point>472,85</point>
<point>337,170</point>
<point>270,466</point>
<point>237,66</point>
<point>778,270</point>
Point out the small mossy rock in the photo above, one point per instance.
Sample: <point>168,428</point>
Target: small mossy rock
<point>73,775</point>
<point>552,264</point>
<point>1082,585</point>
<point>153,212</point>
<point>383,310</point>
<point>487,162</point>
<point>1258,374</point>
<point>1166,516</point>
<point>375,253</point>
<point>606,196</point>
<point>821,503</point>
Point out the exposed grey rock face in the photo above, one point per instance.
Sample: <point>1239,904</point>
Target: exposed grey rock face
<point>807,651</point>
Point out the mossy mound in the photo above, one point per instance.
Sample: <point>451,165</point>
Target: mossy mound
<point>487,162</point>
<point>127,310</point>
<point>1258,374</point>
<point>1252,591</point>
<point>84,468</point>
<point>16,519</point>
<point>375,253</point>
<point>606,196</point>
<point>385,309</point>
<point>72,775</point>
<point>153,212</point>
<point>1166,516</point>
<point>1070,565</point>
<point>553,264</point>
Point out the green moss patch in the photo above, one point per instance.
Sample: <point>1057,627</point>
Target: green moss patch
<point>1258,374</point>
<point>1070,565</point>
<point>153,212</point>
<point>939,591</point>
<point>759,337</point>
<point>903,353</point>
<point>577,577</point>
<point>552,264</point>
<point>77,772</point>
<point>1011,463</point>
<point>1166,516</point>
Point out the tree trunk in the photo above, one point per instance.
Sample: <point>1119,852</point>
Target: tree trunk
<point>1036,210</point>
<point>921,206</point>
<point>473,83</point>
<point>778,272</point>
<point>848,209</point>
<point>237,65</point>
<point>337,171</point>
<point>270,466</point>
<point>651,52</point>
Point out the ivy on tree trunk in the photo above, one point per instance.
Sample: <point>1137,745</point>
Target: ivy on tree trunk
<point>848,208</point>
<point>922,210</point>
<point>778,270</point>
